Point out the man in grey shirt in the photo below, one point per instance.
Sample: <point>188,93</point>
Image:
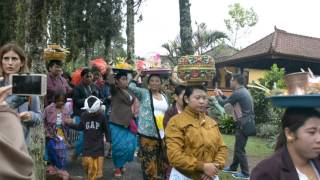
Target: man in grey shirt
<point>242,102</point>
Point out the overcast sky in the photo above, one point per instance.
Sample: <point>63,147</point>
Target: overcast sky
<point>161,20</point>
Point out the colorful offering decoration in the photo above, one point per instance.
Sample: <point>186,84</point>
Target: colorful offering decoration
<point>196,69</point>
<point>100,64</point>
<point>76,76</point>
<point>153,65</point>
<point>154,62</point>
<point>122,64</point>
<point>141,65</point>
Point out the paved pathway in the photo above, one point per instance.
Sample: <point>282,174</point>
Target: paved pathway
<point>133,170</point>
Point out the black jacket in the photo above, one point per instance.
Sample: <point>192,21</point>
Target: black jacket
<point>278,167</point>
<point>80,93</point>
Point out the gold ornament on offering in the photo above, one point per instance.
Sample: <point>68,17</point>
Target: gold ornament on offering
<point>196,69</point>
<point>55,52</point>
<point>175,78</point>
<point>122,64</point>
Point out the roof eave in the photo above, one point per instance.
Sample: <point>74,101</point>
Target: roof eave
<point>244,59</point>
<point>296,57</point>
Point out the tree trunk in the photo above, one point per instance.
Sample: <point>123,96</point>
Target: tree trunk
<point>235,38</point>
<point>20,22</point>
<point>35,41</point>
<point>56,22</point>
<point>185,28</point>
<point>130,29</point>
<point>107,48</point>
<point>88,50</point>
<point>8,16</point>
<point>36,34</point>
<point>70,14</point>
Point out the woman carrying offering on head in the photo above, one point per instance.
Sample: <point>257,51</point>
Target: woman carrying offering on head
<point>123,135</point>
<point>153,105</point>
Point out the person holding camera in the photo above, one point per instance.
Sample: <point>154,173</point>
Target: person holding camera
<point>13,61</point>
<point>242,102</point>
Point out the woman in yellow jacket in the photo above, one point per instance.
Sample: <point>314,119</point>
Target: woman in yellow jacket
<point>194,144</point>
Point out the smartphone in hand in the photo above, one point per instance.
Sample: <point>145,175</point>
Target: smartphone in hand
<point>28,84</point>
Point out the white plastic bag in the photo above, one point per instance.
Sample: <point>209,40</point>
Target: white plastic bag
<point>176,175</point>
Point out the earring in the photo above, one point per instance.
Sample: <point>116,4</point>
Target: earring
<point>290,139</point>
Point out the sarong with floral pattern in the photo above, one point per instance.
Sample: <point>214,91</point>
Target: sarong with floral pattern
<point>152,161</point>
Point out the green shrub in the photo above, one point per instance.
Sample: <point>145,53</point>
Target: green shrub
<point>227,124</point>
<point>273,141</point>
<point>267,131</point>
<point>264,110</point>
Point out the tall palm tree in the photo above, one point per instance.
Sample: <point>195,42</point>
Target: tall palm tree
<point>203,39</point>
<point>174,50</point>
<point>130,28</point>
<point>185,28</point>
<point>133,7</point>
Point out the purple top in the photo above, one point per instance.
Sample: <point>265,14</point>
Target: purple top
<point>50,120</point>
<point>172,111</point>
<point>55,84</point>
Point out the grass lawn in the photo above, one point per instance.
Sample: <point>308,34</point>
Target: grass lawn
<point>255,146</point>
<point>257,149</point>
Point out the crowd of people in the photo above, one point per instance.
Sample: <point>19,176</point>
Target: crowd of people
<point>173,141</point>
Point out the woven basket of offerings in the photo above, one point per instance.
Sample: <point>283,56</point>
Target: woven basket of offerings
<point>196,69</point>
<point>55,52</point>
